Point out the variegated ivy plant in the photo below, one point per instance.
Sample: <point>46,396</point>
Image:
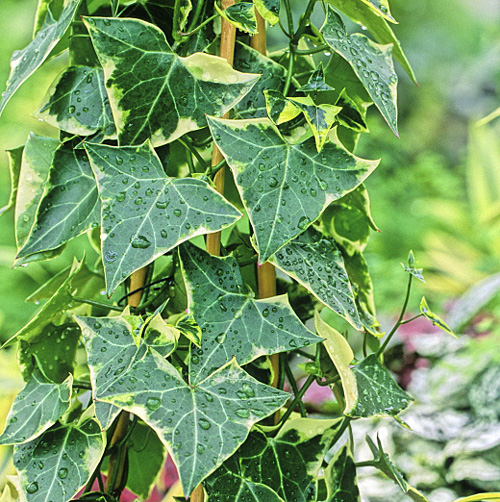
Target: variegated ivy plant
<point>150,121</point>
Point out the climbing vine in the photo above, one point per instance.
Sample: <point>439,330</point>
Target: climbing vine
<point>198,164</point>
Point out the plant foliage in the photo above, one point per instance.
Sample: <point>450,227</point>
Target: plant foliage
<point>192,359</point>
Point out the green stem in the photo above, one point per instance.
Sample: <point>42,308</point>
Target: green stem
<point>82,385</point>
<point>187,144</point>
<point>298,397</point>
<point>412,318</point>
<point>303,22</point>
<point>400,319</point>
<point>295,389</point>
<point>175,21</point>
<point>303,353</point>
<point>96,304</point>
<point>315,50</point>
<point>199,27</point>
<point>281,373</point>
<point>289,74</point>
<point>366,463</point>
<point>196,14</point>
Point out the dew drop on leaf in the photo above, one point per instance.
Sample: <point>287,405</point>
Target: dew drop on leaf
<point>32,487</point>
<point>153,403</point>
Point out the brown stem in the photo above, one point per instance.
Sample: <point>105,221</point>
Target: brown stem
<point>116,461</point>
<point>266,273</point>
<point>228,38</point>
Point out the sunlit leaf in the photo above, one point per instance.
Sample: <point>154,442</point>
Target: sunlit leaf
<point>341,354</point>
<point>15,161</point>
<point>286,463</point>
<point>359,12</point>
<point>37,407</point>
<point>153,92</point>
<point>269,10</point>
<point>77,103</point>
<point>351,115</point>
<point>316,82</point>
<point>434,318</point>
<point>145,213</point>
<point>378,393</point>
<point>285,187</point>
<point>371,62</point>
<point>233,323</point>
<point>69,206</point>
<point>340,477</point>
<point>201,424</point>
<point>58,464</point>
<point>24,62</point>
<point>241,15</point>
<point>314,260</point>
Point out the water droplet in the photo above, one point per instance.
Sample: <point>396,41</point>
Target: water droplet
<point>242,412</point>
<point>63,472</point>
<point>177,212</point>
<point>303,222</point>
<point>204,424</point>
<point>32,487</point>
<point>220,338</point>
<point>72,109</point>
<point>153,403</point>
<point>141,242</point>
<point>200,448</point>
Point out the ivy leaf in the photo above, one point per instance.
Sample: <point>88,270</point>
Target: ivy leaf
<point>319,117</point>
<point>55,307</point>
<point>351,115</point>
<point>371,62</point>
<point>146,457</point>
<point>37,159</point>
<point>201,424</point>
<point>185,7</point>
<point>340,477</point>
<point>109,362</point>
<point>145,213</point>
<point>286,463</point>
<point>381,7</point>
<point>233,323</point>
<point>153,92</point>
<point>15,161</point>
<point>314,260</point>
<point>54,343</point>
<point>78,104</point>
<point>435,319</point>
<point>26,61</point>
<point>241,15</point>
<point>253,105</point>
<point>69,206</point>
<point>285,187</point>
<point>365,16</point>
<point>269,10</point>
<point>378,393</point>
<point>316,82</point>
<point>37,407</point>
<point>58,464</point>
<point>341,354</point>
<point>415,272</point>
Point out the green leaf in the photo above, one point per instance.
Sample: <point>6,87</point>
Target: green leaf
<point>189,328</point>
<point>285,187</point>
<point>145,213</point>
<point>232,322</point>
<point>54,350</point>
<point>341,354</point>
<point>378,393</point>
<point>435,319</point>
<point>480,497</point>
<point>241,15</point>
<point>316,82</point>
<point>244,491</point>
<point>273,77</point>
<point>15,159</point>
<point>26,61</point>
<point>153,92</point>
<point>146,457</point>
<point>371,62</point>
<point>287,463</point>
<point>185,7</point>
<point>381,7</point>
<point>319,117</point>
<point>415,272</point>
<point>109,362</point>
<point>37,159</point>
<point>358,11</point>
<point>269,10</point>
<point>58,464</point>
<point>69,206</point>
<point>37,407</point>
<point>78,104</point>
<point>314,260</point>
<point>351,115</point>
<point>55,307</point>
<point>340,477</point>
<point>201,424</point>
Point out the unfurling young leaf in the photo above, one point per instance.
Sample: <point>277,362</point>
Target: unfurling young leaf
<point>435,319</point>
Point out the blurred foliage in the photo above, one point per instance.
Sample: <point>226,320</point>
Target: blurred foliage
<point>453,448</point>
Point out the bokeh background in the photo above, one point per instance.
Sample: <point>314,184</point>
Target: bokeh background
<point>436,191</point>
